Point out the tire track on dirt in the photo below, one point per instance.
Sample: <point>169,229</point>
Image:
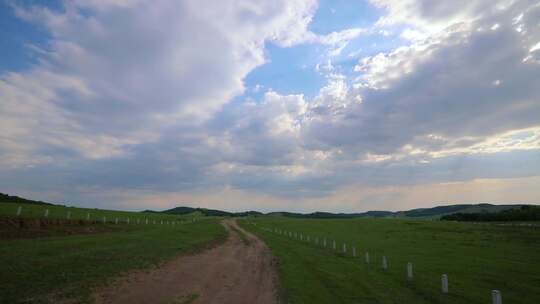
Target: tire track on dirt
<point>233,272</point>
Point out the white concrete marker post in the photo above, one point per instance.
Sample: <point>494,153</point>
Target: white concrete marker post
<point>19,210</point>
<point>46,215</point>
<point>116,220</point>
<point>496,297</point>
<point>344,248</point>
<point>384,263</point>
<point>354,251</point>
<point>334,244</point>
<point>88,216</point>
<point>128,220</point>
<point>444,283</point>
<point>409,271</point>
<point>324,242</point>
<point>104,220</point>
<point>146,221</point>
<point>68,215</point>
<point>367,257</point>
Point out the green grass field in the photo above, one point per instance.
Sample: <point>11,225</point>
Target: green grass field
<point>46,270</point>
<point>476,258</point>
<point>61,212</point>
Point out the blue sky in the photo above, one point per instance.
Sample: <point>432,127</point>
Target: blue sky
<point>292,70</point>
<point>16,34</point>
<point>296,105</point>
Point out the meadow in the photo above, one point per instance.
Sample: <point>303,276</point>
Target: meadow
<point>67,264</point>
<point>68,267</point>
<point>476,258</point>
<point>74,213</point>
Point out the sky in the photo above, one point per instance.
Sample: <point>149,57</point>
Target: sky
<point>295,105</point>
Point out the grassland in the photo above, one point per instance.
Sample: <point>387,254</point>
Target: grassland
<point>476,258</point>
<point>52,269</point>
<point>73,213</point>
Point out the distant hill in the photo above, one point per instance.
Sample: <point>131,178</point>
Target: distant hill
<point>5,198</point>
<point>524,213</point>
<point>206,212</point>
<point>329,215</point>
<point>435,212</point>
<point>428,213</point>
<point>463,208</point>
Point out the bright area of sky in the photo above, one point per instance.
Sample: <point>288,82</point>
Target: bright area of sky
<point>296,105</point>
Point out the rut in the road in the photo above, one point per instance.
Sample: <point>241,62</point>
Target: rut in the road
<point>234,272</point>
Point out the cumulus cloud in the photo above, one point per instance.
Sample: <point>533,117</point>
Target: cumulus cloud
<point>433,16</point>
<point>463,91</point>
<point>441,86</point>
<point>118,73</point>
<point>142,99</point>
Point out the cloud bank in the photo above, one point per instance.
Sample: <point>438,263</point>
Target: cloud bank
<point>138,102</point>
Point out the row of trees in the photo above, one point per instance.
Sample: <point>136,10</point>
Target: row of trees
<point>525,213</point>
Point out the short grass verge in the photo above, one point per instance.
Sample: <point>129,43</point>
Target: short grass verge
<point>55,269</point>
<point>476,258</point>
<point>241,235</point>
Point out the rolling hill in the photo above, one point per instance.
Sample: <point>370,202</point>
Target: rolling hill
<point>207,212</point>
<point>427,213</point>
<point>5,198</point>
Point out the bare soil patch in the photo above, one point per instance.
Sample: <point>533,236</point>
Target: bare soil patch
<point>233,272</point>
<point>25,228</point>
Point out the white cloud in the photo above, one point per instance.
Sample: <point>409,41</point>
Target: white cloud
<point>535,48</point>
<point>461,82</point>
<point>434,16</point>
<point>137,95</point>
<point>118,73</point>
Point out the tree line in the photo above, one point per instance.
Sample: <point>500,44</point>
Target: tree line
<point>525,213</point>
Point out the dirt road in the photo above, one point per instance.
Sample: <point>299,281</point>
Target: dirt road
<point>237,271</point>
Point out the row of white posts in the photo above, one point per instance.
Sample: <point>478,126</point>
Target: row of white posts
<point>116,220</point>
<point>495,294</point>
